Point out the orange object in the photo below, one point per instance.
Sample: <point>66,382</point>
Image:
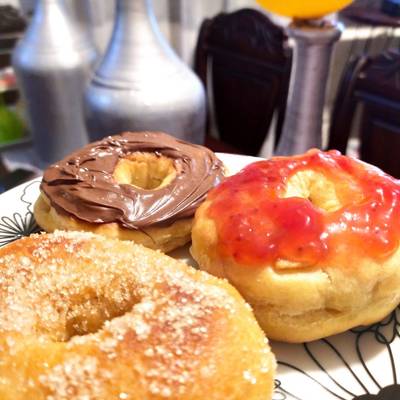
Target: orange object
<point>304,9</point>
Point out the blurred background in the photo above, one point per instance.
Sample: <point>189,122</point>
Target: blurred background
<point>239,99</point>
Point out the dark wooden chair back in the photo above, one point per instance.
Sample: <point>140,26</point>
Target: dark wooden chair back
<point>244,64</point>
<point>374,83</point>
<point>345,105</point>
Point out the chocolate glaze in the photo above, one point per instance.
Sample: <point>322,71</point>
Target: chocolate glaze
<point>82,184</point>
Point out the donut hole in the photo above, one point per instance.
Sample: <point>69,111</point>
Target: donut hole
<point>88,314</point>
<point>86,305</point>
<point>147,171</point>
<point>321,191</point>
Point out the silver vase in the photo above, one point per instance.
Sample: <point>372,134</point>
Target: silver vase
<point>313,49</point>
<point>53,62</point>
<point>141,84</point>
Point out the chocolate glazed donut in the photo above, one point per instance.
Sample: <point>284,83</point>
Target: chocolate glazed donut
<point>84,187</point>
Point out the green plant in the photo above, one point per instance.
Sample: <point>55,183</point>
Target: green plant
<point>11,125</point>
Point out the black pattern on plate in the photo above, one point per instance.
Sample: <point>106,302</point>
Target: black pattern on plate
<point>391,392</point>
<point>30,193</point>
<point>17,226</point>
<point>279,394</point>
<point>367,386</point>
<point>20,224</point>
<point>384,331</point>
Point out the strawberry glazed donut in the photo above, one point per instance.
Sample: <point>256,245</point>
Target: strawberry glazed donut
<point>139,186</point>
<point>310,241</point>
<point>83,316</point>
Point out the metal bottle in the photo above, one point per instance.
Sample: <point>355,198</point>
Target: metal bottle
<point>313,45</point>
<point>52,63</point>
<point>141,84</point>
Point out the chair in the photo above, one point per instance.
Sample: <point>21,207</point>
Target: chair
<point>380,25</point>
<point>370,16</point>
<point>243,61</point>
<point>374,83</point>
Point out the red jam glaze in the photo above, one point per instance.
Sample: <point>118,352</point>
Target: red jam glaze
<point>256,225</point>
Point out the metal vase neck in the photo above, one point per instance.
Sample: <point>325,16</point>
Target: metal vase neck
<point>143,6</point>
<point>302,127</point>
<point>52,27</point>
<point>136,44</point>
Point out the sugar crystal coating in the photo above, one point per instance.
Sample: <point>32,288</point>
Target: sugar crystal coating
<point>91,315</point>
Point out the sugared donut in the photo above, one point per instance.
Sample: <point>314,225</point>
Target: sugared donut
<point>140,186</point>
<point>87,317</point>
<point>311,242</point>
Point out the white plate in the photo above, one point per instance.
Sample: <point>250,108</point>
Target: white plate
<point>362,364</point>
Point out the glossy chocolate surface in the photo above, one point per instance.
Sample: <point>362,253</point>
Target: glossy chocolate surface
<point>82,185</point>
